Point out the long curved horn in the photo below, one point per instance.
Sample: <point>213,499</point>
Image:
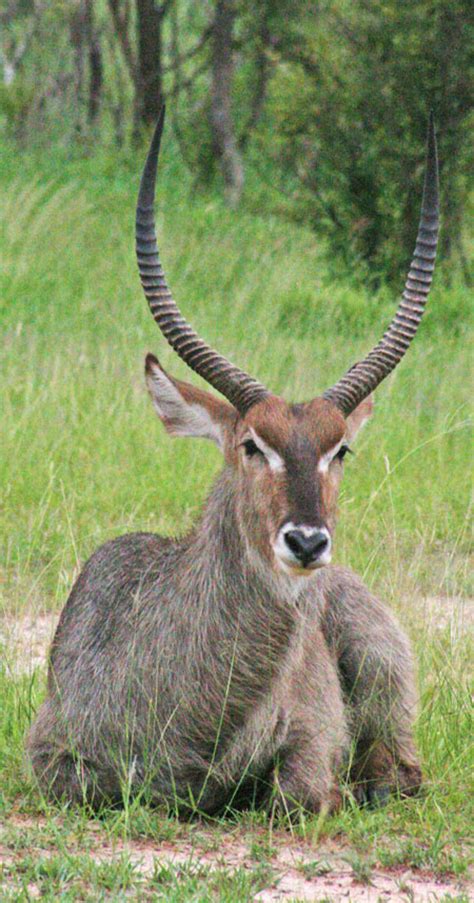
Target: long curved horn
<point>366,375</point>
<point>240,389</point>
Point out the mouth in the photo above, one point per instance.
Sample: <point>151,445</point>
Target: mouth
<point>294,568</point>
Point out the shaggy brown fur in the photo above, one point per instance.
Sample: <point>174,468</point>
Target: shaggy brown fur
<point>199,673</point>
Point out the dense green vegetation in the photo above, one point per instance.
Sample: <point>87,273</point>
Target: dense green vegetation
<point>329,100</point>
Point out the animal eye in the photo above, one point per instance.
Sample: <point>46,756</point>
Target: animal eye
<point>344,449</point>
<point>251,448</point>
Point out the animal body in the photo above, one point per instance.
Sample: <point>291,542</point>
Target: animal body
<point>236,663</point>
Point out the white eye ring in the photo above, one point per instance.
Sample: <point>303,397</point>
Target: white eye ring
<point>272,458</point>
<point>327,459</point>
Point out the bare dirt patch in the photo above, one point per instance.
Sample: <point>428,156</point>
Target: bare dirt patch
<point>26,640</point>
<point>439,612</point>
<point>298,870</point>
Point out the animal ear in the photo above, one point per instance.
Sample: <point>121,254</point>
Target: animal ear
<point>184,409</point>
<point>358,417</point>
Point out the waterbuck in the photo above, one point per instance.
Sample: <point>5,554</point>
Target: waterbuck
<point>235,663</point>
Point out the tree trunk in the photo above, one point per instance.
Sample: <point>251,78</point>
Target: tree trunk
<point>149,64</point>
<point>117,93</point>
<point>78,37</point>
<point>261,75</point>
<point>222,126</point>
<point>95,66</point>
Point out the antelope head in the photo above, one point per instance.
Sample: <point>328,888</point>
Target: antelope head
<point>287,459</point>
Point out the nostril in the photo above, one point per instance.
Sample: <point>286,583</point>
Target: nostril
<point>306,547</point>
<point>321,541</point>
<point>292,539</point>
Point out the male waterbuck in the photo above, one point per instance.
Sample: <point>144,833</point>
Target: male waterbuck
<point>234,662</point>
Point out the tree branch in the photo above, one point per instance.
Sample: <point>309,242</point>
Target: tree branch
<point>20,50</point>
<point>185,83</point>
<point>164,9</point>
<point>120,26</point>
<point>262,68</point>
<point>178,60</point>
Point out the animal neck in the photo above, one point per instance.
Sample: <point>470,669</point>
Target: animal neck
<point>220,545</point>
<point>239,604</point>
<point>240,625</point>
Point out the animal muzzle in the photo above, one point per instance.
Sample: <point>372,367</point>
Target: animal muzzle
<point>301,548</point>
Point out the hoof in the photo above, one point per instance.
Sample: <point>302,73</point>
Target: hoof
<point>377,796</point>
<point>373,796</point>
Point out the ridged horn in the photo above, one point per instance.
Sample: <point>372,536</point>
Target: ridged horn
<point>240,389</point>
<point>366,375</point>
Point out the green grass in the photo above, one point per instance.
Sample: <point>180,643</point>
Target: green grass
<point>82,878</point>
<point>83,459</point>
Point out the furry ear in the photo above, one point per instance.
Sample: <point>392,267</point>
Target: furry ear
<point>184,409</point>
<point>358,417</point>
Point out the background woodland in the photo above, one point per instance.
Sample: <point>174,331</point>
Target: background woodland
<point>315,110</point>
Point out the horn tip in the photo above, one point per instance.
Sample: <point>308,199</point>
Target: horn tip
<point>431,188</point>
<point>432,144</point>
<point>161,117</point>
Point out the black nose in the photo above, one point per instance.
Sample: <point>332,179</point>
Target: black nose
<point>306,548</point>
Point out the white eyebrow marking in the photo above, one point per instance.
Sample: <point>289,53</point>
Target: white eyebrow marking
<point>274,459</point>
<point>325,460</point>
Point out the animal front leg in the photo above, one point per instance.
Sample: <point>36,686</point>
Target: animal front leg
<point>308,761</point>
<point>376,672</point>
<point>303,779</point>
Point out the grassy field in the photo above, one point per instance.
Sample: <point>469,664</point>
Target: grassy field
<point>83,459</point>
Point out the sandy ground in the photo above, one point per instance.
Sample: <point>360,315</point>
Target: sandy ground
<point>27,639</point>
<point>300,871</point>
<point>329,875</point>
